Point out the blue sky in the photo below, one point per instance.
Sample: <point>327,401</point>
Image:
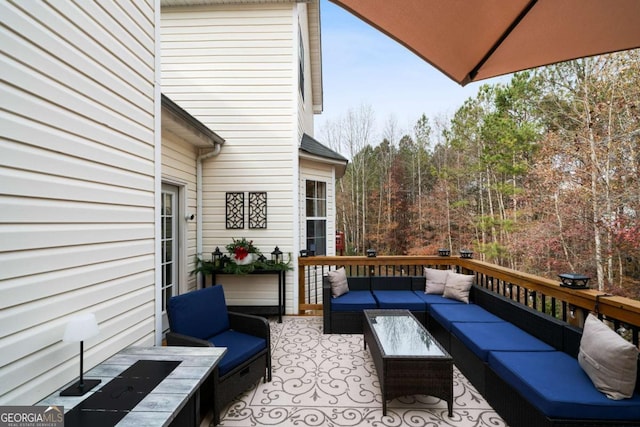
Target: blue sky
<point>362,66</point>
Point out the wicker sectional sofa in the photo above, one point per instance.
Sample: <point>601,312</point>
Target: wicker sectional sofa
<point>523,362</point>
<point>343,315</point>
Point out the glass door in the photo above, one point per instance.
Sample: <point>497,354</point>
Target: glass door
<point>170,247</point>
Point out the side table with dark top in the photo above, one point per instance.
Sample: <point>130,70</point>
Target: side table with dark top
<point>407,358</point>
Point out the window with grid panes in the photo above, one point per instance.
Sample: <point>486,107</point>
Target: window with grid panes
<point>316,213</point>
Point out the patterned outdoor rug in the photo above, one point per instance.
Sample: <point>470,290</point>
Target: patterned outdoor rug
<point>330,380</point>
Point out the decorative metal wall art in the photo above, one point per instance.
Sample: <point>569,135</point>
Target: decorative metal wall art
<point>258,210</point>
<point>235,211</point>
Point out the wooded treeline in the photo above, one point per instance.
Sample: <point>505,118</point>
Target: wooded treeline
<point>540,175</point>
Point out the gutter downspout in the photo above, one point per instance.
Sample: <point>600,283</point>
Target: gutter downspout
<point>201,158</point>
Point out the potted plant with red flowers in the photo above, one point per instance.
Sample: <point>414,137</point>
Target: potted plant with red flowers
<point>243,252</point>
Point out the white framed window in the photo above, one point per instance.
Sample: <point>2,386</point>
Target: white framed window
<point>316,213</point>
<point>300,62</point>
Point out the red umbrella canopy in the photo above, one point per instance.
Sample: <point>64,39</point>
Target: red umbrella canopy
<point>470,40</point>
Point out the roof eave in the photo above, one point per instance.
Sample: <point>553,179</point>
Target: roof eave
<point>340,166</point>
<point>179,122</point>
<point>315,53</point>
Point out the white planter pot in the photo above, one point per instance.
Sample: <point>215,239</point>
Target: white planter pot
<point>246,260</point>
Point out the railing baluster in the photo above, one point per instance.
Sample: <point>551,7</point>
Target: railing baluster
<point>309,278</point>
<point>316,280</point>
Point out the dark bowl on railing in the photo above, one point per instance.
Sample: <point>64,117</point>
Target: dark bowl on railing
<point>444,252</point>
<point>466,253</point>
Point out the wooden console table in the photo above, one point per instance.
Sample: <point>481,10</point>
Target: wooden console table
<point>175,401</point>
<point>261,309</point>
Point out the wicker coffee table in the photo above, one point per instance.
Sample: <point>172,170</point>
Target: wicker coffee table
<point>408,359</point>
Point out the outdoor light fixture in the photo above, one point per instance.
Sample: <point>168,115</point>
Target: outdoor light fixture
<point>572,311</point>
<point>371,253</point>
<point>466,253</point>
<point>78,329</point>
<point>574,281</point>
<point>276,255</point>
<point>225,260</point>
<point>444,252</point>
<point>216,257</point>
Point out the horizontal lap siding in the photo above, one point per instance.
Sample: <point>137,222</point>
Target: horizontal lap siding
<point>315,171</point>
<point>179,167</point>
<point>305,103</point>
<point>232,67</point>
<point>76,186</point>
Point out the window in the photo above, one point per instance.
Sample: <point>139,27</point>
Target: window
<point>301,62</point>
<point>316,212</point>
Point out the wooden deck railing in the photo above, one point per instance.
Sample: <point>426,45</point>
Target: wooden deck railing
<point>541,294</point>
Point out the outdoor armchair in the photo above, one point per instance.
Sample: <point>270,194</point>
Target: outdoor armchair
<point>200,318</point>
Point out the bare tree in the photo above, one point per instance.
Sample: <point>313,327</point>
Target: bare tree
<point>353,134</point>
<point>422,136</point>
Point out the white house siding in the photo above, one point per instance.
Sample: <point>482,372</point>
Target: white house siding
<point>315,53</point>
<point>179,169</point>
<point>76,186</point>
<point>230,66</point>
<point>310,170</point>
<point>305,104</point>
<point>306,110</point>
<point>317,171</point>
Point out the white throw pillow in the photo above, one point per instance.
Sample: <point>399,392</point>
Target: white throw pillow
<point>608,359</point>
<point>457,286</point>
<point>435,280</point>
<point>338,281</point>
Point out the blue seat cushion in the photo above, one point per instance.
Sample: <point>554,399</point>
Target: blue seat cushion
<point>399,299</point>
<point>555,383</point>
<point>200,314</point>
<point>481,338</point>
<point>435,299</point>
<point>446,314</point>
<point>240,347</point>
<point>354,301</point>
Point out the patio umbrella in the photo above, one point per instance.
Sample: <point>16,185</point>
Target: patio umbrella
<point>471,40</point>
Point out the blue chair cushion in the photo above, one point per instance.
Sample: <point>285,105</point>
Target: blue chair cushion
<point>435,299</point>
<point>446,314</point>
<point>354,301</point>
<point>240,347</point>
<point>555,383</point>
<point>481,338</point>
<point>200,314</point>
<point>402,299</point>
